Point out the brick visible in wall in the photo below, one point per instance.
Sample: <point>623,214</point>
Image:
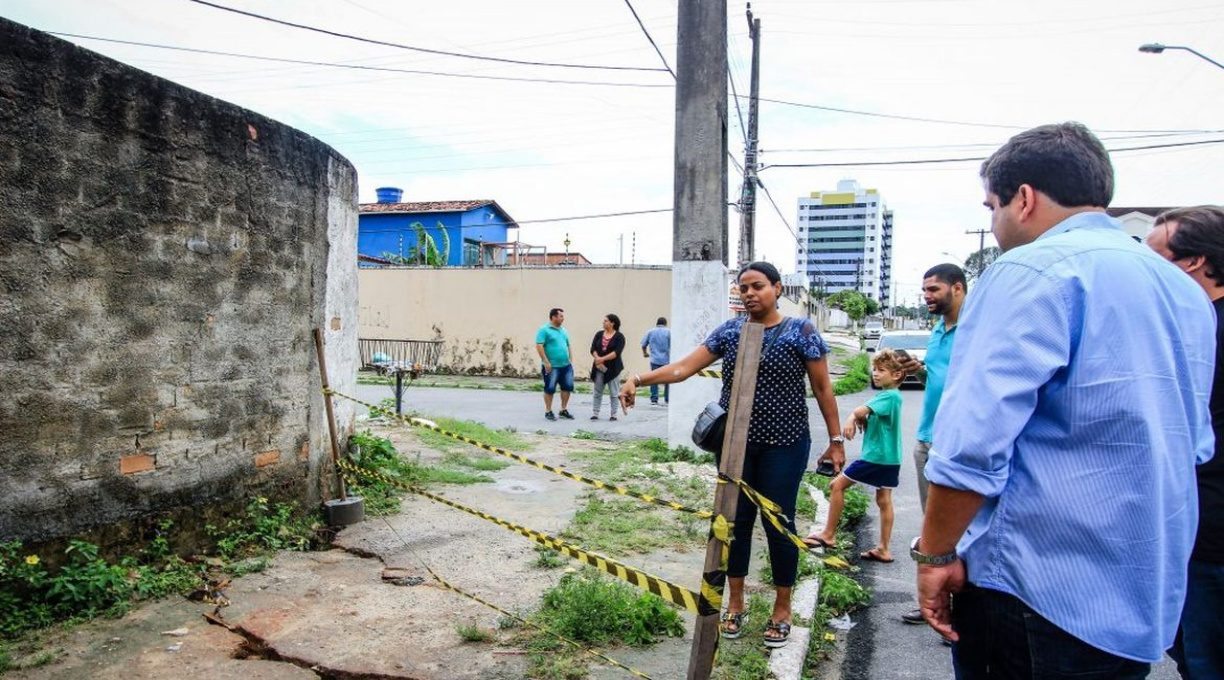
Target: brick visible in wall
<point>141,462</point>
<point>267,458</point>
<point>304,453</point>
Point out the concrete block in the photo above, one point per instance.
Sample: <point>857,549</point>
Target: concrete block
<point>267,458</point>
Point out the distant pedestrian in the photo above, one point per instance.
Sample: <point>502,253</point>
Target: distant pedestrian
<point>779,437</point>
<point>557,362</point>
<point>606,349</point>
<point>1062,505</point>
<point>656,346</point>
<point>943,289</point>
<point>1193,240</point>
<point>880,465</point>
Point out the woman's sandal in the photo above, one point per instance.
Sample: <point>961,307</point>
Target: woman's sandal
<point>782,629</point>
<point>727,620</point>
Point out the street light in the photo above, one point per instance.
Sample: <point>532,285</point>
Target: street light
<point>1157,48</point>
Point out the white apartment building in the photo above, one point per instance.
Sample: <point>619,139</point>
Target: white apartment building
<point>845,241</point>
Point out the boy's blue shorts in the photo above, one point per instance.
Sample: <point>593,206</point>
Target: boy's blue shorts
<point>873,474</point>
<point>563,377</point>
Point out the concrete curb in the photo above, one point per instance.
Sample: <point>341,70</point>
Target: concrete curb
<point>787,663</point>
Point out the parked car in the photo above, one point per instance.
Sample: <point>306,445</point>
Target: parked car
<point>913,342</point>
<point>872,330</point>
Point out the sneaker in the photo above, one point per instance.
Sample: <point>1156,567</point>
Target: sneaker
<point>548,415</point>
<point>565,414</point>
<point>913,616</point>
<point>596,418</point>
<point>654,402</point>
<point>612,418</point>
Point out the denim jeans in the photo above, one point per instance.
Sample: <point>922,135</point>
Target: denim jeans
<point>654,389</point>
<point>774,471</point>
<point>1001,637</point>
<point>1199,647</point>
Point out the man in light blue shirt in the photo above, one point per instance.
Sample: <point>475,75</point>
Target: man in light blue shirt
<point>1062,504</point>
<point>656,346</point>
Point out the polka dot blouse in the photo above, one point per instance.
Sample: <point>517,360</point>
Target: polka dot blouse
<point>779,411</point>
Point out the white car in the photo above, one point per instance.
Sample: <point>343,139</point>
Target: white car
<point>872,330</point>
<point>913,342</point>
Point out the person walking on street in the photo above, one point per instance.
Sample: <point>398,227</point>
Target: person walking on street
<point>656,346</point>
<point>778,433</point>
<point>943,288</point>
<point>557,362</point>
<point>606,349</point>
<point>1062,503</point>
<point>1193,240</point>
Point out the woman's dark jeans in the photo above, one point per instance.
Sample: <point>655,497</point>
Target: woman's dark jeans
<point>1001,637</point>
<point>775,472</point>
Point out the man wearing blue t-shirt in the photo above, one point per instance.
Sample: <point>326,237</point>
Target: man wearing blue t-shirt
<point>557,362</point>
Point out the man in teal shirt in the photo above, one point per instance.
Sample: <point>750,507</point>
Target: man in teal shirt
<point>943,288</point>
<point>553,346</point>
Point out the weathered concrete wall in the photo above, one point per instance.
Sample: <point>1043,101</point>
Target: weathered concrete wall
<point>163,259</point>
<point>488,318</point>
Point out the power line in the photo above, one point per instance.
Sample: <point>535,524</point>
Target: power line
<point>738,111</point>
<point>651,39</point>
<point>412,48</point>
<point>358,67</point>
<point>970,146</point>
<point>926,161</point>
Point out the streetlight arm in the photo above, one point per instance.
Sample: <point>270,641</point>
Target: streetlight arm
<point>1157,48</point>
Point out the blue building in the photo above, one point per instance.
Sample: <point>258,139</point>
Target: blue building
<point>385,229</point>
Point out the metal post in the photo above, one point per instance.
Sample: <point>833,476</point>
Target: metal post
<point>399,392</point>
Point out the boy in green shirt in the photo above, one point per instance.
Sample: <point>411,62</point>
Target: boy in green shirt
<point>880,466</point>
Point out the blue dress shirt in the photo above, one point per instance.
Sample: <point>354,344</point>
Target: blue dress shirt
<point>658,340</point>
<point>1077,404</point>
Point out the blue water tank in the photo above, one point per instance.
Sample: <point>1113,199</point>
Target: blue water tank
<point>389,194</point>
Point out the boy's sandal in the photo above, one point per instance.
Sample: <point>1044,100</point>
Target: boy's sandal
<point>732,625</point>
<point>782,630</point>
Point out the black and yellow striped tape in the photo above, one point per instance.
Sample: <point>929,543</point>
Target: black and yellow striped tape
<point>677,595</point>
<point>524,459</point>
<point>773,514</point>
<point>709,374</point>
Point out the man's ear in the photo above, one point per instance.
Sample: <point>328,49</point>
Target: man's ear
<point>1196,262</point>
<point>1027,196</point>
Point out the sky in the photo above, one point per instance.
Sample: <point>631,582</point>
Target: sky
<point>976,71</point>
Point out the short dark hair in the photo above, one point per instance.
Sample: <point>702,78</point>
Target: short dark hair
<point>1200,231</point>
<point>948,273</point>
<point>1064,161</point>
<point>554,311</point>
<point>662,321</point>
<point>770,271</point>
<point>615,321</point>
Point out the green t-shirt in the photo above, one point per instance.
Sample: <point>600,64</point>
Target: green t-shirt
<point>556,345</point>
<point>882,437</point>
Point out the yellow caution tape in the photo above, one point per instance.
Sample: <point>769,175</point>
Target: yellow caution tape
<point>773,514</point>
<point>524,459</point>
<point>710,374</point>
<point>677,595</point>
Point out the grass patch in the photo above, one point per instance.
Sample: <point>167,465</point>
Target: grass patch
<point>595,611</point>
<point>474,633</point>
<point>858,375</point>
<point>378,454</point>
<point>624,526</point>
<point>584,434</point>
<point>502,439</point>
<point>482,462</point>
<point>745,657</point>
<point>547,558</point>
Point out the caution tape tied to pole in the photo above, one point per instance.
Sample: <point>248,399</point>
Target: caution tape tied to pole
<point>677,595</point>
<point>630,493</point>
<point>773,514</point>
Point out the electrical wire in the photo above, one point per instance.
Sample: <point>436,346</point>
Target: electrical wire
<point>359,67</point>
<point>968,146</point>
<point>651,39</point>
<point>738,111</point>
<point>425,50</point>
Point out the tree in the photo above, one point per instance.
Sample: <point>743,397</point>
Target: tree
<point>426,250</point>
<point>852,302</point>
<point>977,263</point>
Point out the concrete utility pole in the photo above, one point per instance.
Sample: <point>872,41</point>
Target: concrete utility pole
<point>747,248</point>
<point>699,245</point>
<point>981,237</point>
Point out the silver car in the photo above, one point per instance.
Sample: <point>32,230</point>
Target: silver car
<point>913,342</point>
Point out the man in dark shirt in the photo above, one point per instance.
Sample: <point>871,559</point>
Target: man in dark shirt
<point>1193,239</point>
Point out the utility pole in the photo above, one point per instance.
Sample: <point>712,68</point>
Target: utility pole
<point>620,240</point>
<point>981,237</point>
<point>747,250</point>
<point>699,230</point>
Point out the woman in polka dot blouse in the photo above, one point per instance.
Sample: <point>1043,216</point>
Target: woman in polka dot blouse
<point>779,439</point>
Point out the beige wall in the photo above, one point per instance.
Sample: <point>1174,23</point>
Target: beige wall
<point>488,318</point>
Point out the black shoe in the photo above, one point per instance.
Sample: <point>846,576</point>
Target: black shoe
<point>913,616</point>
<point>654,402</point>
<point>548,415</point>
<point>565,414</point>
<point>612,418</point>
<point>594,417</point>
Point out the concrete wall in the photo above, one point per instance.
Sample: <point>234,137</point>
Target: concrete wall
<point>488,318</point>
<point>163,259</point>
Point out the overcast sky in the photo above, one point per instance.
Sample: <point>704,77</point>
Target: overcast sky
<point>548,150</point>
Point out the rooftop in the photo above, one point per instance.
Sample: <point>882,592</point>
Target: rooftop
<point>426,206</point>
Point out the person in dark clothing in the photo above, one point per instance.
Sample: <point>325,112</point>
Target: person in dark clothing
<point>606,349</point>
<point>1193,240</point>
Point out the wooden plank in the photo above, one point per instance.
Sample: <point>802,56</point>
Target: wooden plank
<point>726,496</point>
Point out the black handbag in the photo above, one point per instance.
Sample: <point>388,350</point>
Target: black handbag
<point>710,428</point>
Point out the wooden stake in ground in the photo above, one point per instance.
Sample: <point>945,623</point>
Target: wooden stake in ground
<point>726,496</point>
<point>331,418</point>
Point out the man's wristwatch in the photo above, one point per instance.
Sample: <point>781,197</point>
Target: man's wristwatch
<point>838,439</point>
<point>934,560</point>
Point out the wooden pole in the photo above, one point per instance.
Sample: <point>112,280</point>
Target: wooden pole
<point>726,496</point>
<point>331,418</point>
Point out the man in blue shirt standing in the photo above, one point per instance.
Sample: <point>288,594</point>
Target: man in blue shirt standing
<point>943,289</point>
<point>656,346</point>
<point>1062,503</point>
<point>557,362</point>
